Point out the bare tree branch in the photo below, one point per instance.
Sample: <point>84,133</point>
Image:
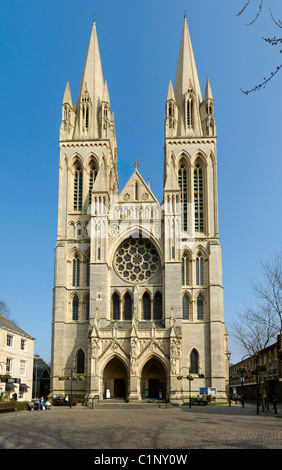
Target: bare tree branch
<point>272,41</point>
<point>257,325</point>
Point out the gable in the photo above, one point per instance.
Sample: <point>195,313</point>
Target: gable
<point>141,194</point>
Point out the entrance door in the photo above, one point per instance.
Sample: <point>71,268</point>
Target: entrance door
<point>119,388</point>
<point>154,387</point>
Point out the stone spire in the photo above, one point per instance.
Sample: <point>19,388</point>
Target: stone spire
<point>187,82</point>
<point>91,89</point>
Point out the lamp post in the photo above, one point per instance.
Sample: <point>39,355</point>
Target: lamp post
<point>71,369</point>
<point>228,354</point>
<point>36,357</point>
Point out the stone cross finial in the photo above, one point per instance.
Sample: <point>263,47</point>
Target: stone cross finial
<point>136,165</point>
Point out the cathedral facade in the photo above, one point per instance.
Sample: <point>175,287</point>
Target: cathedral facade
<point>138,295</point>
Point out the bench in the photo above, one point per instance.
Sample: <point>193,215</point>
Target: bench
<point>8,406</point>
<point>61,402</point>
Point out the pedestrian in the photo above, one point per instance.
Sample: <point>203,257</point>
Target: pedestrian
<point>42,403</point>
<point>204,398</point>
<point>67,400</point>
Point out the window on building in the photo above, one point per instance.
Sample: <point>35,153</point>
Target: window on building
<point>182,180</point>
<point>198,198</point>
<point>10,341</point>
<point>76,271</point>
<point>194,362</point>
<point>158,309</point>
<point>75,305</point>
<point>77,189</point>
<point>87,307</point>
<point>92,177</point>
<point>189,112</point>
<point>200,307</point>
<point>23,344</point>
<point>199,270</point>
<point>116,306</point>
<point>127,307</point>
<point>9,365</point>
<point>80,359</point>
<point>146,301</point>
<point>185,270</point>
<point>88,271</point>
<point>185,307</point>
<point>23,368</point>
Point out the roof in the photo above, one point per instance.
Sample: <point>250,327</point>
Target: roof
<point>9,325</point>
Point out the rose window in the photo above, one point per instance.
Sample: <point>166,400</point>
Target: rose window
<point>136,260</point>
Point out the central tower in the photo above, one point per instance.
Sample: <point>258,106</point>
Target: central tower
<point>138,296</point>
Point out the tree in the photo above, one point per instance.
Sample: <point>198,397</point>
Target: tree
<point>4,309</point>
<point>257,325</point>
<point>274,41</point>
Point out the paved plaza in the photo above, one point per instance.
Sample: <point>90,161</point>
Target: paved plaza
<point>211,427</point>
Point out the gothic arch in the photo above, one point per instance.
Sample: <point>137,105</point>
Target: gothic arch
<point>74,251</point>
<point>91,158</point>
<point>183,154</point>
<point>202,250</point>
<point>74,160</point>
<point>79,350</point>
<point>148,355</point>
<point>199,155</point>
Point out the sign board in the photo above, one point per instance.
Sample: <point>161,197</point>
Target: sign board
<point>207,390</point>
<point>2,388</point>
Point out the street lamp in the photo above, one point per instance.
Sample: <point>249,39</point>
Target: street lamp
<point>228,354</point>
<point>71,369</point>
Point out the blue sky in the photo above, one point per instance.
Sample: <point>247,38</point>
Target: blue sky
<point>43,44</point>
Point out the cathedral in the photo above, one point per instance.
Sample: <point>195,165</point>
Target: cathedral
<point>138,295</point>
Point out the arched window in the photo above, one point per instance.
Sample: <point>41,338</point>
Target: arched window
<point>80,359</point>
<point>88,271</point>
<point>77,189</point>
<point>92,177</point>
<point>136,191</point>
<point>127,307</point>
<point>146,301</point>
<point>185,307</point>
<point>116,306</point>
<point>87,307</point>
<point>76,271</point>
<point>185,270</point>
<point>200,307</point>
<point>194,362</point>
<point>199,270</point>
<point>75,304</point>
<point>189,112</point>
<point>182,180</point>
<point>198,198</point>
<point>158,310</point>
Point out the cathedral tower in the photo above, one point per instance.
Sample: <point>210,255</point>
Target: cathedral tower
<point>138,296</point>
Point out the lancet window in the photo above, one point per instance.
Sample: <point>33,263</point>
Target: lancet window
<point>77,189</point>
<point>76,271</point>
<point>75,307</point>
<point>198,198</point>
<point>185,307</point>
<point>200,307</point>
<point>182,180</point>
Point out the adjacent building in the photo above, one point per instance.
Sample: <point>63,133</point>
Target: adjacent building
<point>138,295</point>
<point>16,361</point>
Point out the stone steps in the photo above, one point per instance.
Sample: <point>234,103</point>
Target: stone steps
<point>121,404</point>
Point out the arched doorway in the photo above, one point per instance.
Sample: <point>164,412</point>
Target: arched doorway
<point>153,380</point>
<point>115,379</point>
